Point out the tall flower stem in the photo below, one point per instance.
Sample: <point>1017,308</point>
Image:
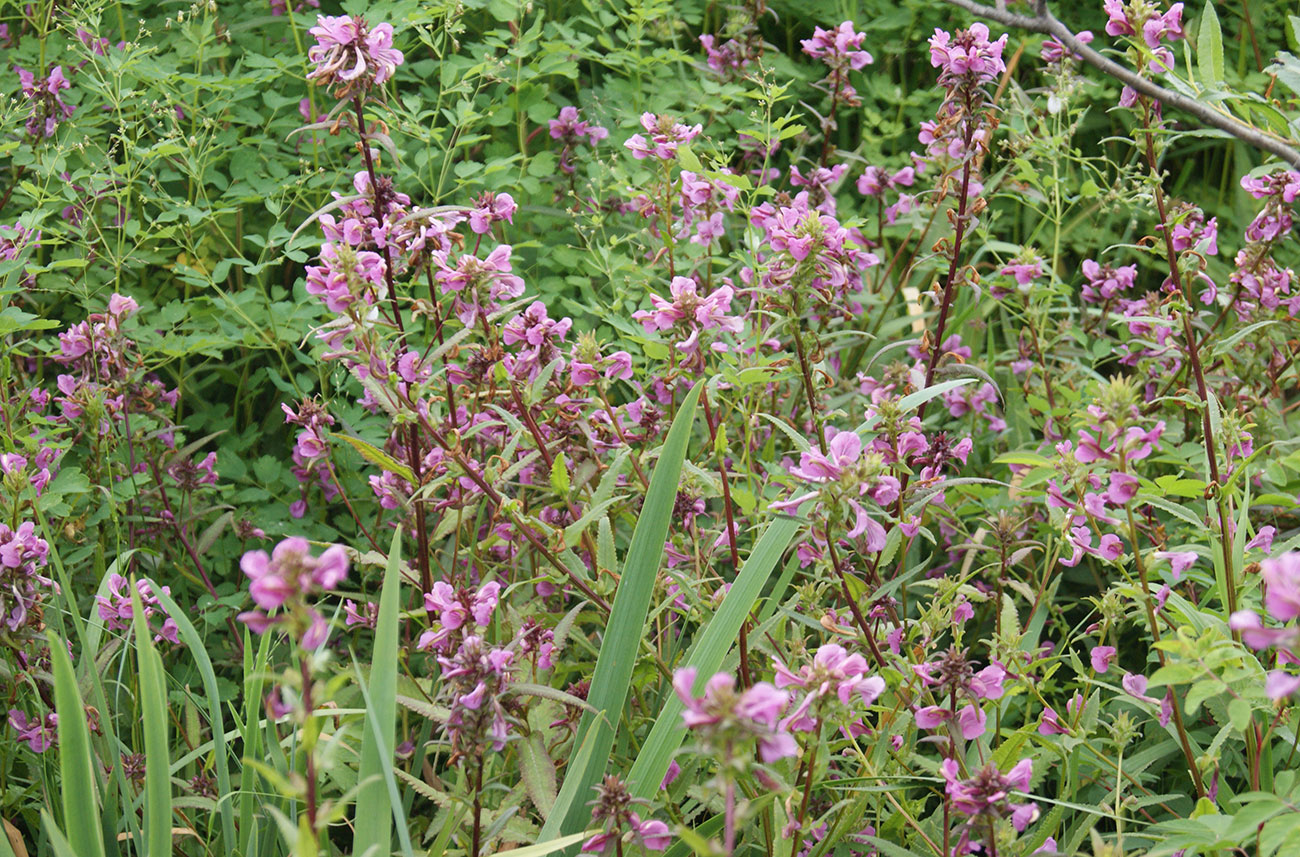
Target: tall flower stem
<point>1194,359</point>
<point>806,370</point>
<point>950,281</point>
<point>815,739</point>
<point>412,433</point>
<point>1214,493</point>
<point>478,809</point>
<point>745,679</point>
<point>309,741</point>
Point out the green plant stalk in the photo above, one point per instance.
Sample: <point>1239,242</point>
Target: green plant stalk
<point>1177,706</point>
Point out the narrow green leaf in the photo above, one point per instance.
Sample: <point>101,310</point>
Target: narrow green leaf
<point>58,841</point>
<point>374,811</point>
<point>708,653</point>
<point>920,397</point>
<point>153,705</point>
<point>220,753</point>
<point>76,764</point>
<point>377,456</point>
<point>1209,49</point>
<point>618,651</point>
<point>544,848</point>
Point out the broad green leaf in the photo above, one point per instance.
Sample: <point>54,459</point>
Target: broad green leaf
<point>612,676</point>
<point>1209,49</point>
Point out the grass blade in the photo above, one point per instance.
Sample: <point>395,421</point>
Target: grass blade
<point>544,848</point>
<point>153,704</point>
<point>76,764</point>
<point>708,653</point>
<point>618,651</point>
<point>58,843</point>
<point>374,809</point>
<point>255,670</point>
<point>197,649</point>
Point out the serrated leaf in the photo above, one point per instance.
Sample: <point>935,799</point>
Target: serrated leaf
<point>560,475</point>
<point>538,773</point>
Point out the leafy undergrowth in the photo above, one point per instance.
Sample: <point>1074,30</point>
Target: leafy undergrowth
<point>465,428</point>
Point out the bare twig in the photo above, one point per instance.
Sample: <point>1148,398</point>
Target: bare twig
<point>1044,22</point>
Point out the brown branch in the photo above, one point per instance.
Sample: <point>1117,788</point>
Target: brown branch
<point>1044,22</point>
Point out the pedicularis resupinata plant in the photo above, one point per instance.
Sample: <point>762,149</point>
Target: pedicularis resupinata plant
<point>474,427</point>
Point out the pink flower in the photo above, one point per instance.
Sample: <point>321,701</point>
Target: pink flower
<point>39,733</point>
<point>1282,581</point>
<point>988,791</point>
<point>1105,282</point>
<point>491,208</point>
<point>1179,561</point>
<point>1263,539</point>
<point>1117,23</point>
<point>1279,685</point>
<point>1053,51</point>
<point>292,574</point>
<point>838,46</point>
<point>1025,273</point>
<point>1135,685</point>
<point>1101,657</point>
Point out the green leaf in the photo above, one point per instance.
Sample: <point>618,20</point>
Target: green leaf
<point>1209,49</point>
<point>153,705</point>
<point>537,772</point>
<point>618,651</point>
<point>76,764</point>
<point>377,456</point>
<point>543,848</point>
<point>560,475</point>
<point>195,646</point>
<point>708,653</point>
<point>57,839</point>
<point>920,397</point>
<point>374,808</point>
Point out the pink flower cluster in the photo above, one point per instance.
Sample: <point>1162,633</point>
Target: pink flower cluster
<point>22,586</point>
<point>968,59</point>
<point>573,132</point>
<point>693,318</point>
<point>117,611</point>
<point>666,134</point>
<point>456,608</point>
<point>48,109</point>
<point>1281,576</point>
<point>350,55</point>
<point>729,721</point>
<point>286,581</point>
<point>835,678</point>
